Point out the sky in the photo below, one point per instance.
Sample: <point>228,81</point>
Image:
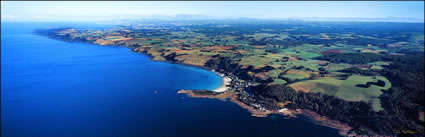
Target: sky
<point>115,10</point>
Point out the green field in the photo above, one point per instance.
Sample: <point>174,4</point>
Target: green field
<point>346,89</point>
<point>311,64</point>
<point>350,92</point>
<point>336,67</point>
<point>256,61</point>
<point>275,73</point>
<point>278,82</point>
<point>376,104</point>
<point>293,76</point>
<point>379,65</point>
<point>320,85</point>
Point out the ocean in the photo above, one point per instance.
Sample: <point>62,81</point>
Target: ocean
<point>56,88</point>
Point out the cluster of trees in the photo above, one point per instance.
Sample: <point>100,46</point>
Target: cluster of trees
<point>356,70</point>
<point>273,50</point>
<point>405,99</point>
<point>229,65</point>
<point>402,103</point>
<point>357,114</point>
<point>365,41</point>
<point>380,83</point>
<point>354,58</point>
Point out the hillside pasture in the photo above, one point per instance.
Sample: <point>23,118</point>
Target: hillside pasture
<point>256,61</point>
<point>305,74</point>
<point>311,64</point>
<point>327,86</point>
<point>350,92</point>
<point>347,89</point>
<point>278,82</point>
<point>294,76</point>
<point>336,67</point>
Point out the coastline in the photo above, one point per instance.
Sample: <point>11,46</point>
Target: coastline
<point>343,128</point>
<point>220,93</point>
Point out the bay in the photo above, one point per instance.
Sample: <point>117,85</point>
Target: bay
<point>55,88</point>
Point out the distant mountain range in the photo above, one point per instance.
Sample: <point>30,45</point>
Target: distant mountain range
<point>186,17</point>
<point>360,19</point>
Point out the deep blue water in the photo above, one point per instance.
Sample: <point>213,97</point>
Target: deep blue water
<point>56,88</point>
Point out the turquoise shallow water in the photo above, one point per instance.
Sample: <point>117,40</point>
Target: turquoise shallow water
<point>56,88</point>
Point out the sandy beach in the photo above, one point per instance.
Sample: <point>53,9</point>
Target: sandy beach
<point>226,82</point>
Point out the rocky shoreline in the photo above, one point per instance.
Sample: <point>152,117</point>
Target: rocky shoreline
<point>343,128</point>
